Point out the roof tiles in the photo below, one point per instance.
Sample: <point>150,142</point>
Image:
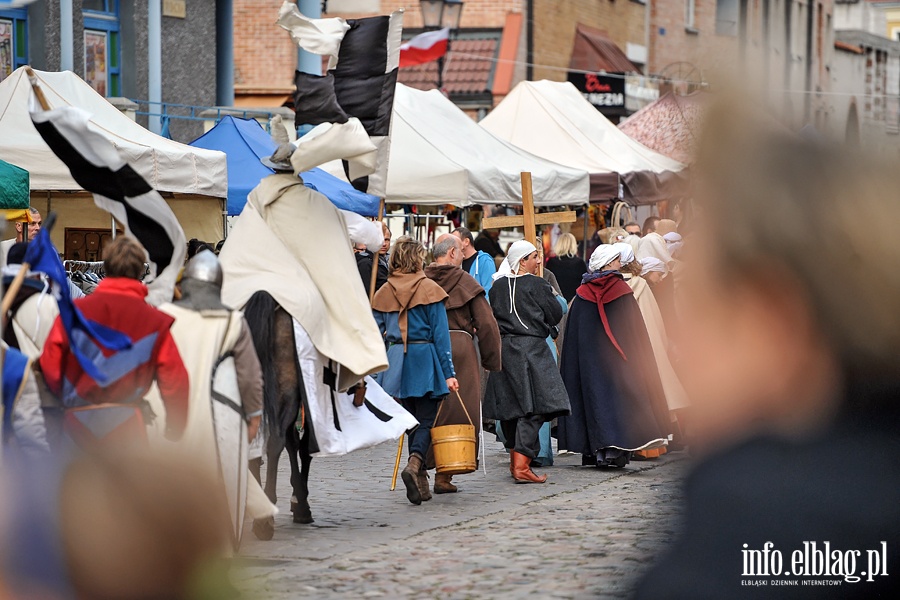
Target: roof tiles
<point>468,67</point>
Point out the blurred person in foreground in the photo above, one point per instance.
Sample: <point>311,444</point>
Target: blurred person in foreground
<point>113,526</point>
<point>792,368</point>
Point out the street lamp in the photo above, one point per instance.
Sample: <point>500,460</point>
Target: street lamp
<point>440,14</point>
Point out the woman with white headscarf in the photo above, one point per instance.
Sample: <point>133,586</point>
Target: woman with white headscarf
<point>608,366</point>
<point>528,391</point>
<point>676,397</point>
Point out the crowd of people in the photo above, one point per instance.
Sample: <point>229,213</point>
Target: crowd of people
<point>599,350</point>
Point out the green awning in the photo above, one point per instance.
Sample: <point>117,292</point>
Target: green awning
<point>14,186</point>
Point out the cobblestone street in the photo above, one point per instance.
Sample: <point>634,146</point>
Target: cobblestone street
<point>587,533</point>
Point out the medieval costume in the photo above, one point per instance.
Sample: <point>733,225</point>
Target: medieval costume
<point>471,321</point>
<point>410,312</point>
<point>225,383</point>
<point>568,270</point>
<point>336,339</point>
<point>618,403</point>
<point>364,265</point>
<point>32,311</point>
<point>119,303</point>
<point>528,391</point>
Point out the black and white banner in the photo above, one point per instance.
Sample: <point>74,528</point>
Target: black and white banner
<point>360,82</point>
<point>118,189</point>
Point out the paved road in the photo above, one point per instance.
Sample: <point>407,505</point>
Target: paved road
<point>587,533</point>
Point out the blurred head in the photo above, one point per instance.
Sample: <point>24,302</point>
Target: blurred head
<point>407,256</point>
<point>467,241</point>
<point>665,227</point>
<point>633,229</point>
<point>33,228</point>
<point>386,246</point>
<point>785,312</point>
<point>566,245</point>
<point>124,257</point>
<point>649,225</point>
<point>447,250</point>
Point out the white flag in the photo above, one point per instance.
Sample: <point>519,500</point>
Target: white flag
<point>319,36</point>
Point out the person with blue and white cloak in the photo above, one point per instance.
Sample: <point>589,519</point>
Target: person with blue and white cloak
<point>528,391</point>
<point>409,310</point>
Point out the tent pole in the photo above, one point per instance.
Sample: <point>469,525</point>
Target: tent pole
<point>112,226</point>
<point>584,239</point>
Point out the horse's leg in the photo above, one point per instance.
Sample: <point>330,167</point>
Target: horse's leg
<point>299,503</point>
<point>303,497</point>
<point>273,453</point>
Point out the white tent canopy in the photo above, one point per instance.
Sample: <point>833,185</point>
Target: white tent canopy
<point>440,156</point>
<point>168,166</point>
<point>553,120</point>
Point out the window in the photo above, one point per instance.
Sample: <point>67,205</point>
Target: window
<point>13,41</point>
<point>727,17</point>
<point>102,46</point>
<point>689,8</point>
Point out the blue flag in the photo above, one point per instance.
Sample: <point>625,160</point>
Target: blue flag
<point>42,256</point>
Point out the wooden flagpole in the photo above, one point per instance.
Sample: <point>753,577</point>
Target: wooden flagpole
<point>374,275</point>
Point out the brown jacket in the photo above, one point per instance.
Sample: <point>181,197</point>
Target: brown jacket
<point>468,310</point>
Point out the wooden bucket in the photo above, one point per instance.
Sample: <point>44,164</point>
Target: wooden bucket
<point>454,446</point>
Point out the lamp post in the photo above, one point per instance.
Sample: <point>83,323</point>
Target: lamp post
<point>440,14</point>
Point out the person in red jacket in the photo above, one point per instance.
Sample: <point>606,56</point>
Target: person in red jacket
<point>119,303</point>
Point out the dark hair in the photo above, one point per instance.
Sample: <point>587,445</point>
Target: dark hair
<point>124,257</point>
<point>464,234</point>
<point>16,253</point>
<point>196,246</point>
<point>649,224</point>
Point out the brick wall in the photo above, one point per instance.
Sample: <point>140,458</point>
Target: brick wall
<point>555,23</point>
<point>264,55</point>
<point>476,13</point>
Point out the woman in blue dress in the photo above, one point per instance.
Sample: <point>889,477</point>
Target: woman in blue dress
<point>409,310</point>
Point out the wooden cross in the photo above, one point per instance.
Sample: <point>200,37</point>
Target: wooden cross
<point>529,219</point>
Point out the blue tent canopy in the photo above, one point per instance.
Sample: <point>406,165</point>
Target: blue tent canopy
<point>244,142</point>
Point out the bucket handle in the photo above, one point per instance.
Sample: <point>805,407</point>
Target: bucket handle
<point>463,404</point>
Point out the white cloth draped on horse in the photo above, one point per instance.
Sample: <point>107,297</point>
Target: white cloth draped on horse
<point>339,426</point>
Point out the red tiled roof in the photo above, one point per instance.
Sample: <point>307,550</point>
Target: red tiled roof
<point>468,67</point>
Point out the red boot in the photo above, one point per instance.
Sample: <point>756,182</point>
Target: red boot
<point>522,472</point>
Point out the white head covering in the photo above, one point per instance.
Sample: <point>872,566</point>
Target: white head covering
<point>508,268</point>
<point>651,264</point>
<point>510,265</point>
<point>672,237</point>
<point>602,256</point>
<point>626,252</point>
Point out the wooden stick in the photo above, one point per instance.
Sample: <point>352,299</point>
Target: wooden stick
<point>397,463</point>
<point>375,259</point>
<point>38,92</point>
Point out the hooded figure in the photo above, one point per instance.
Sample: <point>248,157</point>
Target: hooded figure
<point>618,404</point>
<point>226,386</point>
<point>474,337</point>
<point>409,311</point>
<point>528,390</point>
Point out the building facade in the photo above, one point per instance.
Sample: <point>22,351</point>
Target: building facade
<point>108,44</point>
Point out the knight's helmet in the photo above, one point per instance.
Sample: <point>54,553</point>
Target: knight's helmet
<point>201,282</point>
<point>204,266</point>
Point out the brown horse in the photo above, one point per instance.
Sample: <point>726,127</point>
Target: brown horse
<point>285,404</point>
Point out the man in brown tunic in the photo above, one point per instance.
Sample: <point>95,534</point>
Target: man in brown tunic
<point>471,320</point>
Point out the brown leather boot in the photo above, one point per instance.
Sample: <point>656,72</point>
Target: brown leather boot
<point>424,488</point>
<point>410,476</point>
<point>522,469</point>
<point>442,484</point>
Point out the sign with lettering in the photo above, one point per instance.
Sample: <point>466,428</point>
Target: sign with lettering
<point>174,8</point>
<point>605,91</point>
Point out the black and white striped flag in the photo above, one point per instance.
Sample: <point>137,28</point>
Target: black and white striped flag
<point>360,83</point>
<point>118,189</point>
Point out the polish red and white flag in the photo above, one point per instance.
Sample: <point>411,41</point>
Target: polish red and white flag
<point>424,48</point>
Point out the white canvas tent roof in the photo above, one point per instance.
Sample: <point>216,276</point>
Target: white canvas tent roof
<point>553,120</point>
<point>440,156</point>
<point>168,166</point>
